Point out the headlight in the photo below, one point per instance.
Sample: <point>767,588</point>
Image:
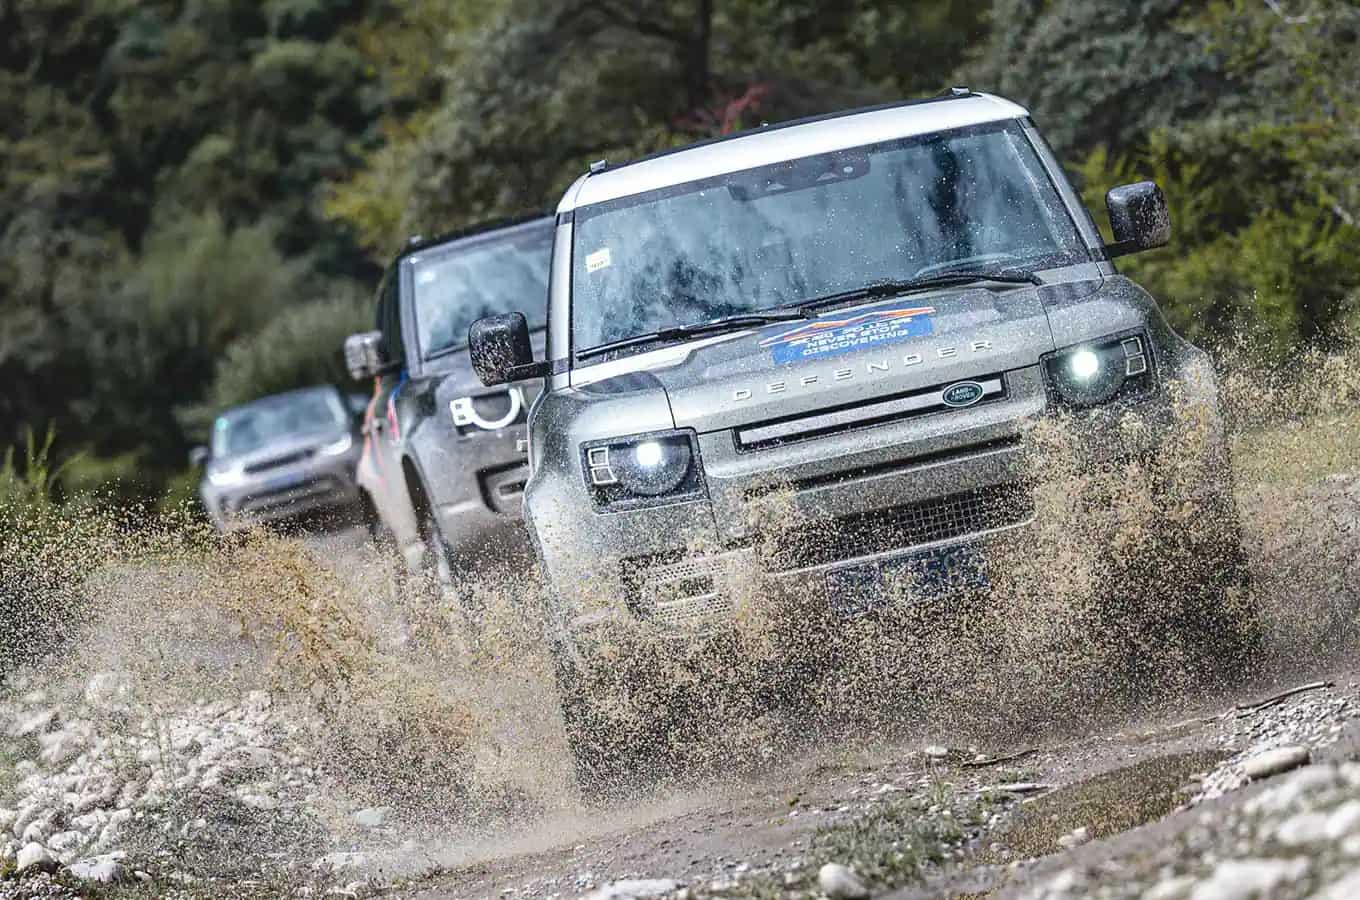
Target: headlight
<point>337,447</point>
<point>1096,373</point>
<point>227,477</point>
<point>643,469</point>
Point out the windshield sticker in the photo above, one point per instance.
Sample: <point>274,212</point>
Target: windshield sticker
<point>598,260</point>
<point>831,337</point>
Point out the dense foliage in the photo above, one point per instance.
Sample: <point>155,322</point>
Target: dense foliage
<point>196,195</point>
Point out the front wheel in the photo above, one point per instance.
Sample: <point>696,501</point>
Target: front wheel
<point>607,764</point>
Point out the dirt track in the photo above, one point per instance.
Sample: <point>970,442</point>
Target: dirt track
<point>727,840</point>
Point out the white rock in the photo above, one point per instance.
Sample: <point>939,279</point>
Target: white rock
<point>106,869</point>
<point>1075,839</point>
<point>65,842</point>
<point>34,723</point>
<point>35,858</point>
<point>259,801</point>
<point>338,861</point>
<point>37,830</point>
<point>1303,828</point>
<point>371,818</point>
<point>7,819</point>
<point>642,887</point>
<point>841,883</point>
<point>26,815</point>
<point>936,751</point>
<point>1343,820</point>
<point>1285,795</point>
<point>59,747</point>
<point>1236,879</point>
<point>1346,888</point>
<point>107,690</point>
<point>1273,762</point>
<point>1171,889</point>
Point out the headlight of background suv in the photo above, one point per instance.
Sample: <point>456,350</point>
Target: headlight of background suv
<point>338,446</point>
<point>643,469</point>
<point>1098,372</point>
<point>227,477</point>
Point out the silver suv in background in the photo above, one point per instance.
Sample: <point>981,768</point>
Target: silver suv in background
<point>444,465</point>
<point>279,458</point>
<point>864,309</point>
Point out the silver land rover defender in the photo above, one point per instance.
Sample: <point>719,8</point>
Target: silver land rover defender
<point>443,461</point>
<point>864,307</point>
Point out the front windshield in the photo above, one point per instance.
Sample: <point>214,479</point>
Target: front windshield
<point>461,282</point>
<point>776,236</point>
<point>267,421</point>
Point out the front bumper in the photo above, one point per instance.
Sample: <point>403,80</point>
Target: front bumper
<point>284,495</point>
<point>800,513</point>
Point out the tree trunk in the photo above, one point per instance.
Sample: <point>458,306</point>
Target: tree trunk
<point>697,61</point>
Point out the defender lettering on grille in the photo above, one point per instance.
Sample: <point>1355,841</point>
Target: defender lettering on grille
<point>870,367</point>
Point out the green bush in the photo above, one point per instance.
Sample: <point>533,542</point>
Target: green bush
<point>1254,250</point>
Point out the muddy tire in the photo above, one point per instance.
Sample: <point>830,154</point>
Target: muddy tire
<point>606,762</point>
<point>1189,588</point>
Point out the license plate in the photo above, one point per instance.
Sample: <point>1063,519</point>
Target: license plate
<point>856,590</point>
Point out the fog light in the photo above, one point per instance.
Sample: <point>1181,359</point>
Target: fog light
<point>1085,364</point>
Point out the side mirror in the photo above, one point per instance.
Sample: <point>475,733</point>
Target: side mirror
<point>363,355</point>
<point>198,457</point>
<point>501,351</point>
<point>1138,217</point>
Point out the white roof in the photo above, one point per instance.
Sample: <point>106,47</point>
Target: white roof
<point>760,148</point>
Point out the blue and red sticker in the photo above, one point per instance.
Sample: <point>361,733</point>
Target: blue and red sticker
<point>832,337</point>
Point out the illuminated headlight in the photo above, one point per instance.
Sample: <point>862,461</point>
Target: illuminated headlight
<point>337,447</point>
<point>1096,373</point>
<point>643,469</point>
<point>227,477</point>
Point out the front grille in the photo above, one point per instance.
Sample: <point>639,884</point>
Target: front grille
<point>265,502</point>
<point>278,462</point>
<point>865,414</point>
<point>864,534</point>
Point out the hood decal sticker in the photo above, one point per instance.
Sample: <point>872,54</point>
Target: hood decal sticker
<point>832,337</point>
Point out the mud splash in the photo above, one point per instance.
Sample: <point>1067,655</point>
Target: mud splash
<point>1121,591</point>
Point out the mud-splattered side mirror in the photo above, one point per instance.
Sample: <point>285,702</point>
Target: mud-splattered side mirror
<point>363,355</point>
<point>501,351</point>
<point>1138,217</point>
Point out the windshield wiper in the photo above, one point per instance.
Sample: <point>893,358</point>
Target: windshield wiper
<point>896,287</point>
<point>712,326</point>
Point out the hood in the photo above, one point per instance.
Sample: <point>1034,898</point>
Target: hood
<point>284,451</point>
<point>851,355</point>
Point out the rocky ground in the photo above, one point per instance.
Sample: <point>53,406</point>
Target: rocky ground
<point>1246,794</point>
<point>104,791</point>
